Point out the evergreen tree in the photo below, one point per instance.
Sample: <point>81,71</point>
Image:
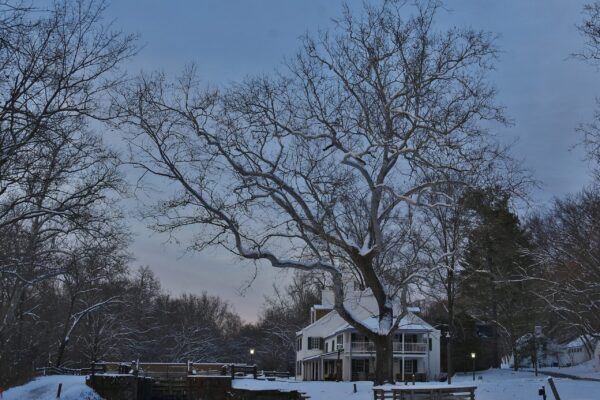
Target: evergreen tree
<point>494,285</point>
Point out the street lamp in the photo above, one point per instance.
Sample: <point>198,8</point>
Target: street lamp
<point>473,355</point>
<point>251,356</point>
<point>449,356</point>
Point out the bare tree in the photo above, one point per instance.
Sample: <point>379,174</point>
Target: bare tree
<point>57,178</point>
<point>88,270</point>
<point>566,249</point>
<point>321,166</point>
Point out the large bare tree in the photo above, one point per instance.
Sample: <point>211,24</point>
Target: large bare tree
<point>322,165</point>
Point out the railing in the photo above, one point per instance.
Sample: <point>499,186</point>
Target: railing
<point>366,347</point>
<point>410,347</point>
<point>362,347</point>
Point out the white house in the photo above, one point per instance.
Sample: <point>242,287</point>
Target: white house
<point>578,350</point>
<point>329,348</point>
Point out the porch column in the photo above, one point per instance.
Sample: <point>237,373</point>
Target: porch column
<point>321,370</point>
<point>402,360</point>
<point>427,371</point>
<point>347,368</point>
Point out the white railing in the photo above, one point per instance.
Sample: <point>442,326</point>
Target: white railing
<point>366,347</point>
<point>363,347</point>
<point>410,347</point>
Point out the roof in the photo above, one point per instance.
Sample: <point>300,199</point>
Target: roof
<point>322,307</point>
<point>408,322</point>
<point>579,341</point>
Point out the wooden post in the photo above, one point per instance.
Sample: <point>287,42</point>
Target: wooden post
<point>59,390</point>
<point>232,371</point>
<point>254,371</point>
<point>553,387</point>
<point>93,368</point>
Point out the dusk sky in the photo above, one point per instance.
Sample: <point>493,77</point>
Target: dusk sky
<point>546,92</point>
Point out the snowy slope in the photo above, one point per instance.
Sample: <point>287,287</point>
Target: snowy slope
<point>44,388</point>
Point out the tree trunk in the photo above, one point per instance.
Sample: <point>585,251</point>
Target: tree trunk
<point>384,371</point>
<point>65,337</point>
<point>449,367</point>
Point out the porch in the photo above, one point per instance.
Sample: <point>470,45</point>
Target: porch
<point>362,368</point>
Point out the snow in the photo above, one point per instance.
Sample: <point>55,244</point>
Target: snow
<point>408,322</point>
<point>323,307</point>
<point>45,387</point>
<point>494,385</point>
<point>579,341</point>
<point>586,369</point>
<point>316,390</point>
<point>507,384</point>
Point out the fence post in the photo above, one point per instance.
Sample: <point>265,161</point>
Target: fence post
<point>232,371</point>
<point>254,371</point>
<point>59,390</point>
<point>553,387</point>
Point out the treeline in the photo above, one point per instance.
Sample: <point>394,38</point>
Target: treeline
<point>108,314</point>
<point>510,276</point>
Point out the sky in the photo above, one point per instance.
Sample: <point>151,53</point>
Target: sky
<point>546,92</point>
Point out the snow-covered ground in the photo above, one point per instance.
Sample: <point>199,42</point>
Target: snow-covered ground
<point>45,387</point>
<point>585,370</point>
<point>493,385</point>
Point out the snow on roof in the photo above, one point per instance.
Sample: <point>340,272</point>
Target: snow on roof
<point>408,322</point>
<point>323,307</point>
<point>579,341</point>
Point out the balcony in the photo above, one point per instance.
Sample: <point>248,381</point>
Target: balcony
<point>410,347</point>
<point>367,347</point>
<point>363,347</point>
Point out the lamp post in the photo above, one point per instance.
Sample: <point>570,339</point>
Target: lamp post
<point>473,355</point>
<point>251,356</point>
<point>449,356</point>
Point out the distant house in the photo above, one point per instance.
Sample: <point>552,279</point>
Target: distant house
<point>330,349</point>
<point>577,351</point>
<point>552,354</point>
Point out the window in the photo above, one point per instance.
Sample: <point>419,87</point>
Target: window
<point>430,344</point>
<point>326,347</point>
<point>340,339</point>
<point>299,343</point>
<point>298,368</point>
<point>315,343</point>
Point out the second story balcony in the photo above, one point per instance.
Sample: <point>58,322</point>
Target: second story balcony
<point>398,347</point>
